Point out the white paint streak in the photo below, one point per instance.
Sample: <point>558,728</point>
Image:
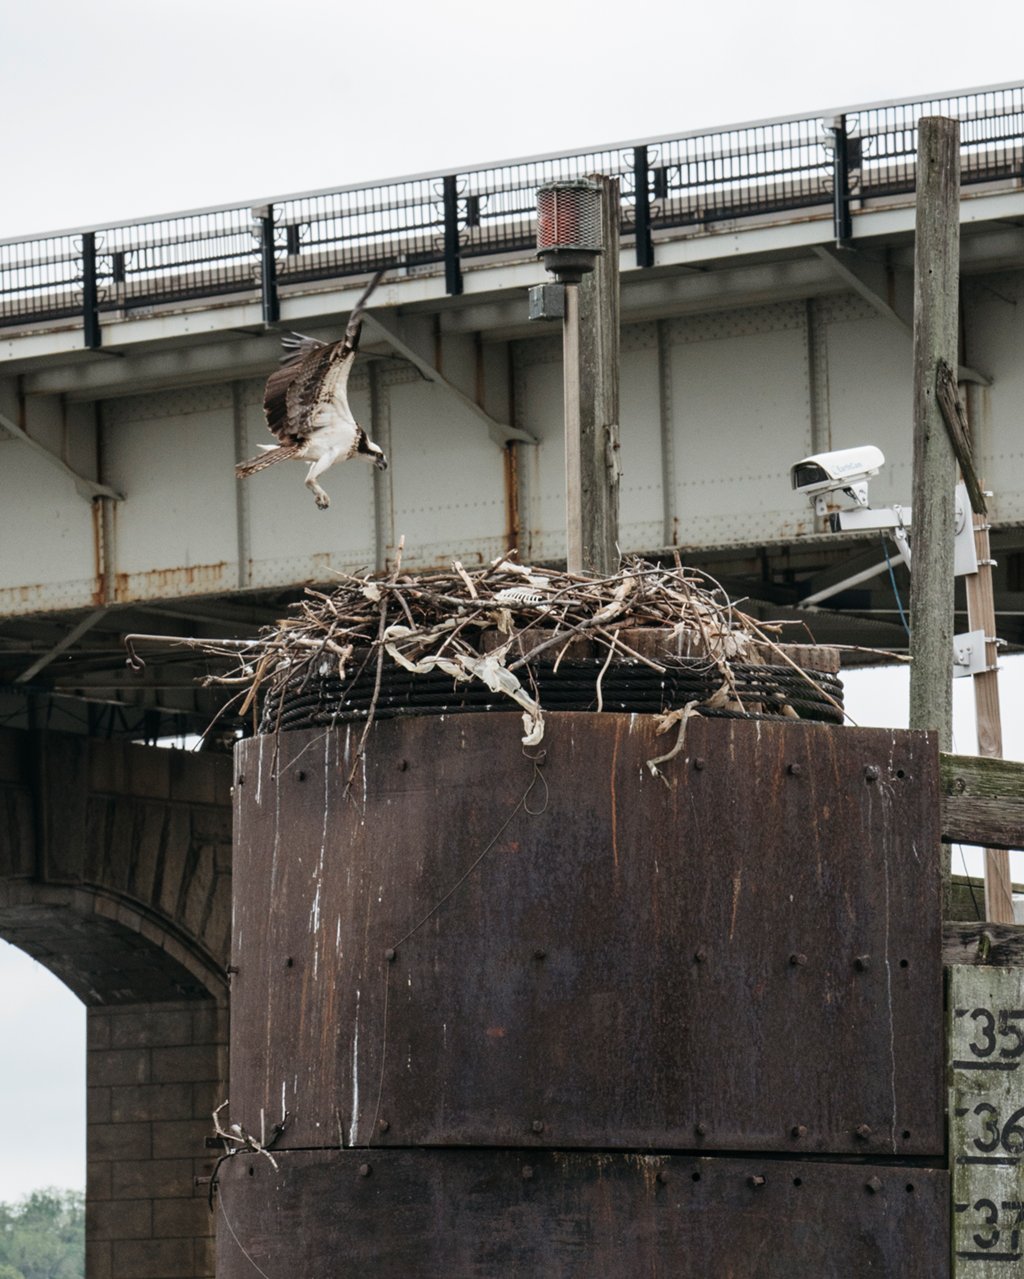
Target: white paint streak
<point>354,1128</point>
<point>888,995</point>
<point>259,772</point>
<point>284,1103</point>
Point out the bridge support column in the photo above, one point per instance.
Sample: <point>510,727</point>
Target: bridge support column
<point>155,1072</point>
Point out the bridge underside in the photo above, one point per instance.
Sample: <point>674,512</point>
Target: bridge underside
<point>749,344</point>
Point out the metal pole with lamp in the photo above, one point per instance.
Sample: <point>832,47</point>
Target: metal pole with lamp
<point>576,223</point>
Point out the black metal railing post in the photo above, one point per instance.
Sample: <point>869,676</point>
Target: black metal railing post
<point>90,312</point>
<point>268,264</point>
<point>642,207</point>
<point>452,266</point>
<point>842,225</point>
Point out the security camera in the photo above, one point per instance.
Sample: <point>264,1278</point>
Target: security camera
<point>844,471</point>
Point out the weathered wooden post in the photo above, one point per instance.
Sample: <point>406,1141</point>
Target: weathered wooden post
<point>981,615</point>
<point>936,291</point>
<point>597,381</point>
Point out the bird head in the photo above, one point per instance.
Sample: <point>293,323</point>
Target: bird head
<point>372,452</point>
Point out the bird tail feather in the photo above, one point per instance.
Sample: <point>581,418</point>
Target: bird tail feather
<point>280,454</point>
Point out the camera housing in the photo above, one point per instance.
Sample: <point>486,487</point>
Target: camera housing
<point>841,472</point>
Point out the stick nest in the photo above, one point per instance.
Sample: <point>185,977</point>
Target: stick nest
<point>493,625</point>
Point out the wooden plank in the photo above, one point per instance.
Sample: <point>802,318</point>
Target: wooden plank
<point>981,615</point>
<point>982,801</point>
<point>986,1120</point>
<point>996,945</point>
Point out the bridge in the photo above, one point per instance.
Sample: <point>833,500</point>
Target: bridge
<point>767,276</point>
<point>766,300</point>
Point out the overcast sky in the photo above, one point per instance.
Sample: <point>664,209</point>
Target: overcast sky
<point>116,109</point>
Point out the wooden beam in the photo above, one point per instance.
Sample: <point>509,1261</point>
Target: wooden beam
<point>996,945</point>
<point>981,615</point>
<point>982,801</point>
<point>936,293</point>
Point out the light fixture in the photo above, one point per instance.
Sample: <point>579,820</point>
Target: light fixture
<point>569,228</point>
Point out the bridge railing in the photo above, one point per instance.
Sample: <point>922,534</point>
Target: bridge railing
<point>439,221</point>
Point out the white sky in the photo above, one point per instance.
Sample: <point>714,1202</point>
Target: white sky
<point>117,109</point>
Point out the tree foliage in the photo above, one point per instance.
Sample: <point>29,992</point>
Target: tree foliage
<point>43,1236</point>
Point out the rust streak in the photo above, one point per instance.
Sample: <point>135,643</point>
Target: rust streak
<point>511,470</point>
<point>100,580</point>
<point>737,881</point>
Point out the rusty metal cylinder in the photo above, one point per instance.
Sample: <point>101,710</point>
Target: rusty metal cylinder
<point>481,984</point>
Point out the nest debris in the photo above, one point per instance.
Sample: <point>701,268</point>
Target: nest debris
<point>491,626</point>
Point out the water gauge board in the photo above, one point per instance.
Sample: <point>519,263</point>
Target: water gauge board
<point>986,1116</point>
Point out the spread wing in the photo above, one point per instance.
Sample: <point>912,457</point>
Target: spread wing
<point>312,375</point>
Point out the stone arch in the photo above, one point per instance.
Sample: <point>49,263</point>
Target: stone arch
<point>115,875</point>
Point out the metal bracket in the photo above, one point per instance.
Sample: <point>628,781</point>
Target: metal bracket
<point>547,302</point>
<point>969,656</point>
<point>75,633</point>
<point>500,432</point>
<point>87,489</point>
<point>896,521</point>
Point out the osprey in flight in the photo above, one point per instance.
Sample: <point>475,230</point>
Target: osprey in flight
<point>307,406</point>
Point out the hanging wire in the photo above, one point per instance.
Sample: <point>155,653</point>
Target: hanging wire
<point>895,588</point>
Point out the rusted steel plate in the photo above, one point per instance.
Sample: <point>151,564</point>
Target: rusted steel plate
<point>423,1213</point>
<point>483,945</point>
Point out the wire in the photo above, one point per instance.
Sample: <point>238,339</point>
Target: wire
<point>895,588</point>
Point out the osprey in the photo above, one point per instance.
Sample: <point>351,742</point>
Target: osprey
<point>307,406</point>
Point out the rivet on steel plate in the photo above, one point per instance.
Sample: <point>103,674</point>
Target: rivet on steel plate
<point>365,1170</point>
<point>664,1176</point>
<point>798,1131</point>
<point>700,1129</point>
<point>389,955</point>
<point>699,956</point>
<point>384,1125</point>
<point>757,1180</point>
<point>861,962</point>
<point>795,770</point>
<point>698,763</point>
<point>873,1185</point>
<point>797,959</point>
<point>527,1173</point>
<point>871,773</point>
<point>863,1131</point>
<point>537,1125</point>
